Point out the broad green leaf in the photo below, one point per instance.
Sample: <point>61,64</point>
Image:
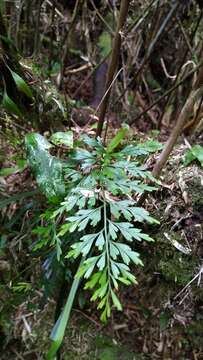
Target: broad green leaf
<point>195,153</point>
<point>189,157</point>
<point>10,105</point>
<point>37,141</point>
<point>48,170</point>
<point>117,139</point>
<point>21,84</point>
<point>151,146</point>
<point>63,138</point>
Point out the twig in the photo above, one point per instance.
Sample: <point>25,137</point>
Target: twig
<point>149,51</point>
<point>75,11</point>
<point>135,25</point>
<point>168,92</point>
<point>198,275</point>
<point>196,93</point>
<point>187,41</point>
<point>181,66</point>
<point>57,11</point>
<point>107,91</point>
<point>142,104</point>
<point>102,19</point>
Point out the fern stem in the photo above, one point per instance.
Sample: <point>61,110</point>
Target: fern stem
<point>107,242</point>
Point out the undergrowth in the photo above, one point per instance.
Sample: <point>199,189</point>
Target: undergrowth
<point>92,212</point>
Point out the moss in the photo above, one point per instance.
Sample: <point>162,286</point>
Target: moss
<point>107,350</point>
<point>169,262</point>
<point>179,268</point>
<point>194,334</point>
<point>195,189</point>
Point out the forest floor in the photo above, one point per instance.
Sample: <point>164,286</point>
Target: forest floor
<point>163,314</point>
<point>162,317</point>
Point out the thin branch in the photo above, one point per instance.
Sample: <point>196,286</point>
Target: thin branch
<point>102,19</point>
<point>168,92</point>
<point>193,98</point>
<point>113,63</point>
<point>149,50</point>
<point>181,66</point>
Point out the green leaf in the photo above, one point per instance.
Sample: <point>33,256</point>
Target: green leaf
<point>129,232</point>
<point>104,43</point>
<point>93,281</point>
<point>63,138</point>
<point>60,105</point>
<point>8,171</point>
<point>195,153</point>
<point>21,84</point>
<point>114,252</point>
<point>112,230</point>
<point>117,139</point>
<point>143,148</point>
<point>84,216</point>
<point>116,301</point>
<point>58,331</point>
<point>94,143</point>
<point>47,169</point>
<point>12,199</point>
<point>127,254</point>
<point>82,154</point>
<point>100,241</point>
<point>141,214</point>
<point>102,262</point>
<point>115,269</point>
<point>124,281</point>
<point>164,320</point>
<point>10,106</point>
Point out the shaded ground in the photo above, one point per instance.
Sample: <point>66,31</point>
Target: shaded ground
<point>162,317</point>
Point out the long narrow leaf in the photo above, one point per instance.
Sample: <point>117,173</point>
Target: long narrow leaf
<point>10,106</point>
<point>4,202</point>
<point>59,328</point>
<point>117,139</point>
<point>21,84</point>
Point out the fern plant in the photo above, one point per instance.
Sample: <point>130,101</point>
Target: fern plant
<point>99,186</point>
